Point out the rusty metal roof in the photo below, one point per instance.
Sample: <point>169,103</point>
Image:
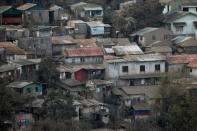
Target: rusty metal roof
<point>11,48</point>
<point>26,6</point>
<point>181,59</point>
<point>78,52</point>
<point>193,64</point>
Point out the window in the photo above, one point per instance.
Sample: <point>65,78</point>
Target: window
<point>142,68</point>
<point>141,37</point>
<point>185,9</point>
<point>125,69</point>
<point>153,37</point>
<point>157,67</point>
<point>68,75</point>
<point>179,28</point>
<point>131,83</point>
<point>37,89</point>
<point>190,69</point>
<point>82,60</point>
<point>73,60</point>
<point>196,9</point>
<point>40,14</point>
<point>28,90</point>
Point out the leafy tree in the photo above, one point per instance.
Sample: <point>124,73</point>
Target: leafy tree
<point>179,111</point>
<point>147,14</point>
<point>57,113</point>
<point>10,102</point>
<point>123,24</point>
<point>47,72</point>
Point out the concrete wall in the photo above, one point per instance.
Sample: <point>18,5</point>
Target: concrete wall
<point>37,17</point>
<point>77,60</point>
<point>160,35</point>
<point>40,46</point>
<point>189,28</point>
<point>114,70</point>
<point>193,72</point>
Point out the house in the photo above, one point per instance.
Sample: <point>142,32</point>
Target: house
<point>138,100</point>
<point>81,73</point>
<point>83,55</point>
<point>34,14</point>
<point>37,46</point>
<point>98,29</point>
<point>92,110</point>
<point>135,70</point>
<point>74,87</point>
<point>41,31</point>
<point>26,69</point>
<point>192,66</point>
<point>189,7</point>
<point>87,11</point>
<point>60,43</point>
<point>149,35</point>
<point>27,87</point>
<point>185,45</point>
<point>77,28</point>
<point>55,13</point>
<point>181,22</point>
<point>24,120</point>
<point>10,16</point>
<point>9,72</point>
<point>177,63</point>
<point>14,33</point>
<point>99,89</point>
<point>12,52</point>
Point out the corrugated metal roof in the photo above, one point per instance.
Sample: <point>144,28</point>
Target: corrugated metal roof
<point>86,42</point>
<point>149,91</point>
<point>181,59</point>
<point>63,40</point>
<point>7,67</point>
<point>10,48</point>
<point>127,50</point>
<point>95,24</point>
<point>55,7</point>
<point>26,6</point>
<point>193,64</point>
<point>4,8</point>
<point>19,84</point>
<point>144,30</point>
<point>139,58</point>
<point>78,52</point>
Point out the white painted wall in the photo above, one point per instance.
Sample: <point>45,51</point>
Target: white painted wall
<point>194,72</point>
<point>87,60</point>
<point>167,9</point>
<point>114,70</point>
<point>189,28</point>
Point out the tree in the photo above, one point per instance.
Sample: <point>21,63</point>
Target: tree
<point>123,24</point>
<point>179,111</point>
<point>10,102</point>
<point>57,113</point>
<point>47,72</point>
<point>147,14</point>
